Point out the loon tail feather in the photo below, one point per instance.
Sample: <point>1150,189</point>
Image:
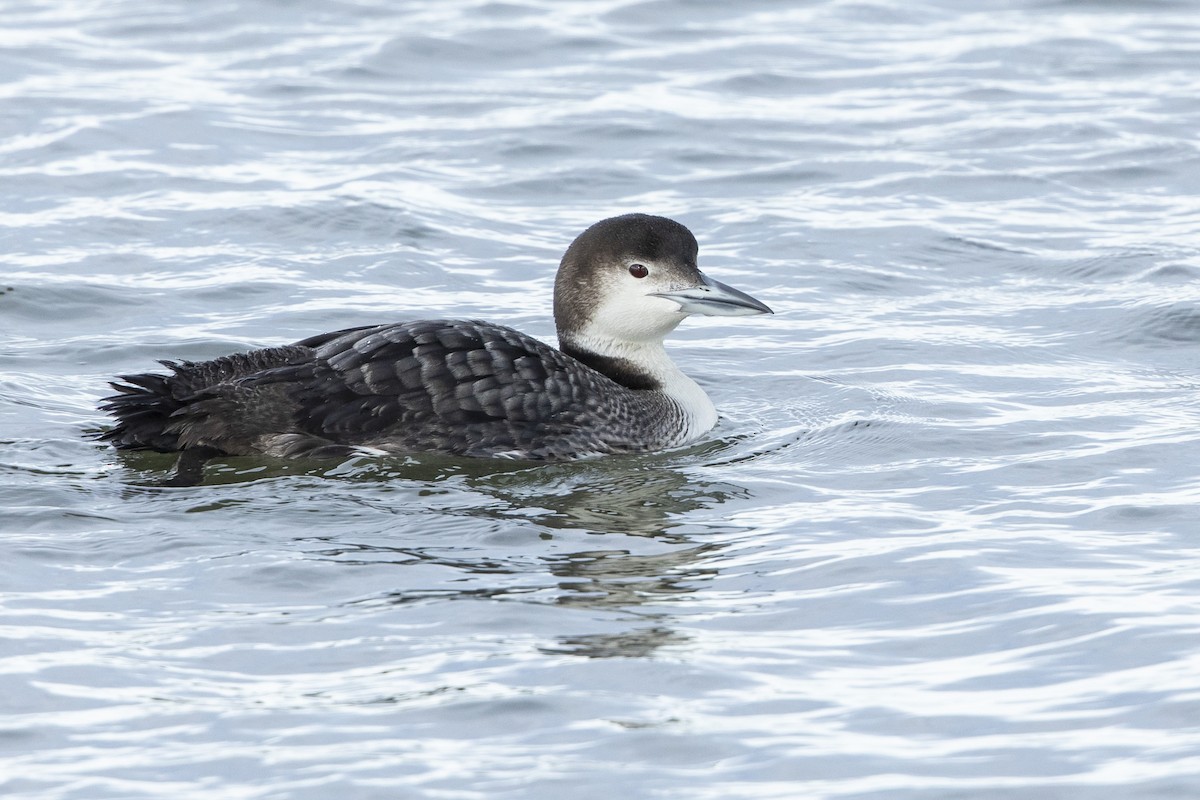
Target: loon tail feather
<point>143,406</point>
<point>195,404</point>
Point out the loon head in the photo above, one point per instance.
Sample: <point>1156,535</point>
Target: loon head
<point>628,281</point>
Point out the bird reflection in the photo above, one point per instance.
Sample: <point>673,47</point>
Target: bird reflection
<point>656,499</point>
<point>638,643</point>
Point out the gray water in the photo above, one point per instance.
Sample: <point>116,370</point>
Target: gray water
<point>943,543</point>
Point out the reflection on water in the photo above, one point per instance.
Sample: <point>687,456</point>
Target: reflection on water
<point>618,578</point>
<point>636,643</point>
<point>647,497</point>
<point>639,496</point>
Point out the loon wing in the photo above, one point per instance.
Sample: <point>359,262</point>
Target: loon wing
<point>450,386</point>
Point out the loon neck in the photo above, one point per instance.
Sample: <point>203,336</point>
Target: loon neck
<point>634,365</point>
<point>624,371</point>
<point>645,366</point>
<point>627,368</point>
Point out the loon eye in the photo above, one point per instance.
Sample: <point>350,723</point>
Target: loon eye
<point>638,270</point>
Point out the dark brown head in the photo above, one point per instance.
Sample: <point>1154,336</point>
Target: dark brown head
<point>632,279</point>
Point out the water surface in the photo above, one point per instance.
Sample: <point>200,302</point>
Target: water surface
<point>942,544</point>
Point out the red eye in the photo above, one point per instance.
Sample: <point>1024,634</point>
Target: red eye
<point>638,271</point>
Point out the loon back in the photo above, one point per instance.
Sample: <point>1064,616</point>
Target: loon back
<point>455,387</point>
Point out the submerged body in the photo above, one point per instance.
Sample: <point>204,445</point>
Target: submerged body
<point>462,387</point>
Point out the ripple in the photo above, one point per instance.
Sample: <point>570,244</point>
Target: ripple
<point>1170,325</point>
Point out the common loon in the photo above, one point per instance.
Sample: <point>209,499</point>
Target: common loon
<point>458,387</point>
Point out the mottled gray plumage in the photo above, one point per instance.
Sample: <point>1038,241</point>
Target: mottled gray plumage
<point>448,386</point>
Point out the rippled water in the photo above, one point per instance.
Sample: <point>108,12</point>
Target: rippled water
<point>944,543</point>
